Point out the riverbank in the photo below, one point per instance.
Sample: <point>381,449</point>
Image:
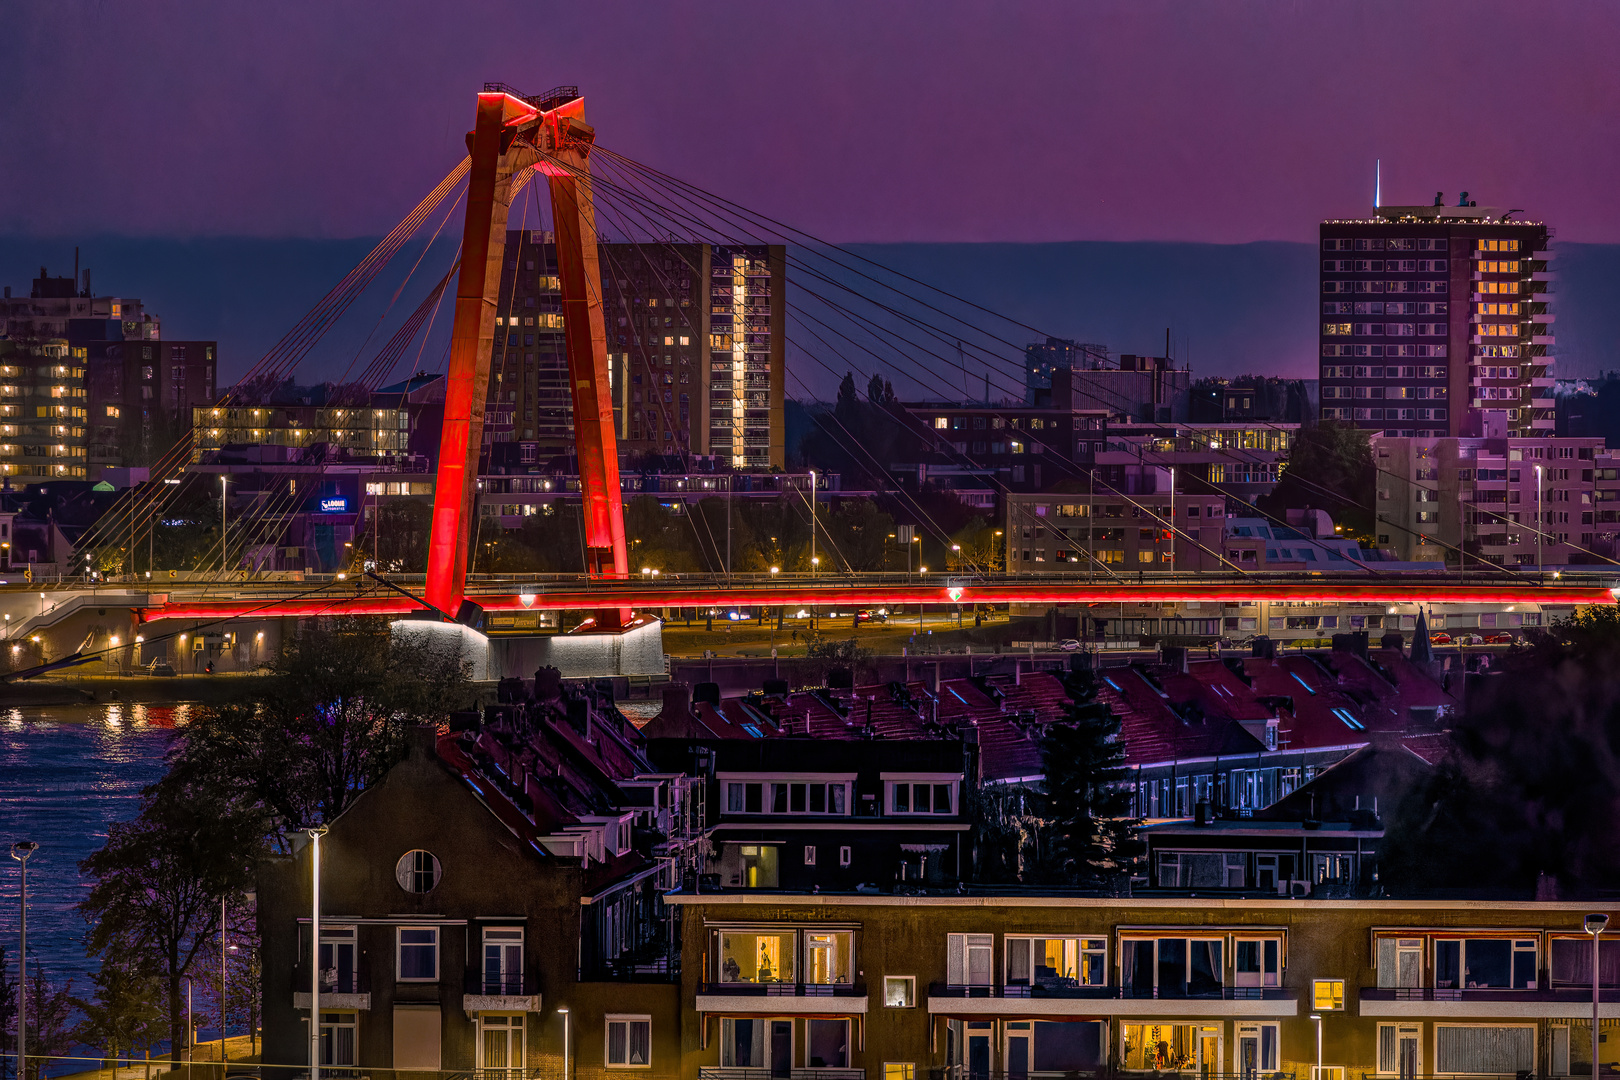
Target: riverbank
<point>70,688</point>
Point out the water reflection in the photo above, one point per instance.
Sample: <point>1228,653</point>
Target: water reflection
<point>66,772</point>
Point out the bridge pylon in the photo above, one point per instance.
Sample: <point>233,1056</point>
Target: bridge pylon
<point>511,134</point>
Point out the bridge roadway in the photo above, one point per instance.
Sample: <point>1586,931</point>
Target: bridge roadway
<point>358,596</point>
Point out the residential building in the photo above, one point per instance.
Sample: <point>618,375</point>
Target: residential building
<point>977,448</point>
<point>1056,354</point>
<point>1432,314</point>
<point>88,383</point>
<point>1237,735</point>
<point>1308,540</point>
<point>1105,533</point>
<point>499,876</point>
<point>695,348</point>
<point>1031,985</point>
<point>1517,502</point>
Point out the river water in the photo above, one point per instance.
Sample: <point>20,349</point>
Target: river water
<point>66,773</point>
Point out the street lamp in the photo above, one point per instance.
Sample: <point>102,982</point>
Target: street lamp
<point>1316,1018</point>
<point>812,521</point>
<point>315,835</point>
<point>776,570</point>
<point>1594,926</point>
<point>224,545</point>
<point>564,1014</point>
<point>1540,518</point>
<point>22,851</point>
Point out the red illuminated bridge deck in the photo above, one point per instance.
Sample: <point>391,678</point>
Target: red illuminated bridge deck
<point>331,597</point>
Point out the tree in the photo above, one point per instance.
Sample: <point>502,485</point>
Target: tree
<point>1330,466</point>
<point>847,401</point>
<point>332,719</point>
<point>50,1014</point>
<point>126,1014</point>
<point>1088,802</point>
<point>859,532</point>
<point>8,1018</point>
<point>874,389</point>
<point>1531,785</point>
<point>826,654</point>
<point>157,885</point>
<point>981,547</point>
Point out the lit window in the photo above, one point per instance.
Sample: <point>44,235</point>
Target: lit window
<point>899,991</point>
<point>1327,995</point>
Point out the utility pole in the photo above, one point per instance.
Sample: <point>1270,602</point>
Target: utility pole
<point>224,544</point>
<point>222,980</point>
<point>22,851</point>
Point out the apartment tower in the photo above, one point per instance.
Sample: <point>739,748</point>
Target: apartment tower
<point>1433,317</point>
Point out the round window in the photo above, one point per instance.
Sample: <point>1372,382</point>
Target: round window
<point>417,871</point>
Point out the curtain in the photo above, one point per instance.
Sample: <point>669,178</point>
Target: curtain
<point>1484,1049</point>
<point>1387,976</point>
<point>1572,962</point>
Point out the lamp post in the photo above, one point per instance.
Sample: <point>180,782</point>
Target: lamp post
<point>563,1012</point>
<point>1316,1018</point>
<point>812,522</point>
<point>1539,519</point>
<point>22,851</point>
<point>1172,519</point>
<point>1594,926</point>
<point>224,545</point>
<point>315,835</point>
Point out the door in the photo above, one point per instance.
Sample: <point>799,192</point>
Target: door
<point>503,962</point>
<point>1248,1055</point>
<point>1018,1050</point>
<point>1209,1052</point>
<point>1409,962</point>
<point>781,1049</point>
<point>501,1047</point>
<point>978,1051</point>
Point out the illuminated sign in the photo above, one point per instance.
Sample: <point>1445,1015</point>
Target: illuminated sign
<point>338,505</point>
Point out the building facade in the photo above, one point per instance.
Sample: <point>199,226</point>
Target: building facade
<point>1433,314</point>
<point>1029,985</point>
<point>1057,354</point>
<point>87,383</point>
<point>1108,533</point>
<point>1522,503</point>
<point>695,349</point>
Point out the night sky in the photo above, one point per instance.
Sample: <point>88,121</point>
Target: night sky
<point>880,121</point>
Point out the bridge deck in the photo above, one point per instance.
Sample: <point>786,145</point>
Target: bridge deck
<point>699,590</point>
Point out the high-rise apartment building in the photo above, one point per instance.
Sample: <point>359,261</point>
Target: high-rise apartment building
<point>87,381</point>
<point>1432,316</point>
<point>696,350</point>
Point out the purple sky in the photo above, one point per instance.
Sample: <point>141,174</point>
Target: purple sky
<point>868,120</point>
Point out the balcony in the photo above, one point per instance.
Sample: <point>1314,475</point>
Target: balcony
<point>345,990</point>
<point>500,992</point>
<point>722,1072</point>
<point>1122,1000</point>
<point>745,997</point>
<point>1562,1002</point>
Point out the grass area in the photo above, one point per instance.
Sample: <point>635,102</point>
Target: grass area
<point>918,636</point>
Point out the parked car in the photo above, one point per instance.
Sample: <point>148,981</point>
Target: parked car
<point>1468,639</point>
<point>1068,644</point>
<point>1440,639</point>
<point>1499,639</point>
<point>160,666</point>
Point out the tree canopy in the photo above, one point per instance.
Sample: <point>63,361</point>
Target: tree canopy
<point>1330,467</point>
<point>1531,787</point>
<point>1088,799</point>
